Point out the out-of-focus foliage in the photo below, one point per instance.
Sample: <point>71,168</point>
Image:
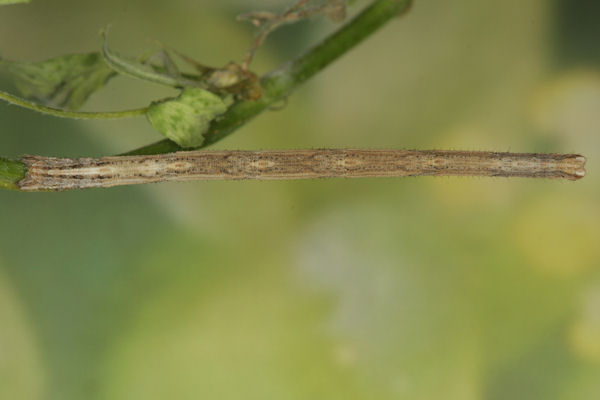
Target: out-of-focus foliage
<point>5,2</point>
<point>333,289</point>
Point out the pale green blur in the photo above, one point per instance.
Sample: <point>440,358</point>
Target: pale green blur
<point>415,289</point>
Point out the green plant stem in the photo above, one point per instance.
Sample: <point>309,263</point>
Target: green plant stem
<point>278,84</point>
<point>11,172</point>
<point>57,112</point>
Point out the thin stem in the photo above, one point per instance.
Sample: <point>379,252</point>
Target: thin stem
<point>46,173</point>
<point>57,112</point>
<point>279,84</point>
<point>269,22</point>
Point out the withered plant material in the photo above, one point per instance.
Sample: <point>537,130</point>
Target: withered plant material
<point>267,21</point>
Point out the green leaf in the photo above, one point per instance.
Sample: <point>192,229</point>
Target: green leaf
<point>186,118</point>
<point>65,81</point>
<point>6,2</point>
<point>136,69</point>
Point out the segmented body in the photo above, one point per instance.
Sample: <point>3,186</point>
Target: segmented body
<point>46,173</point>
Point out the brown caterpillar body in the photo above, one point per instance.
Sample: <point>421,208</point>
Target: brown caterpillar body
<point>46,173</point>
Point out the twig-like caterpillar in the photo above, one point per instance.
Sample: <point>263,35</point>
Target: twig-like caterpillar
<point>46,173</point>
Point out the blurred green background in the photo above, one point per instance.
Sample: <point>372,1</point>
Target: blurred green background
<point>454,288</point>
